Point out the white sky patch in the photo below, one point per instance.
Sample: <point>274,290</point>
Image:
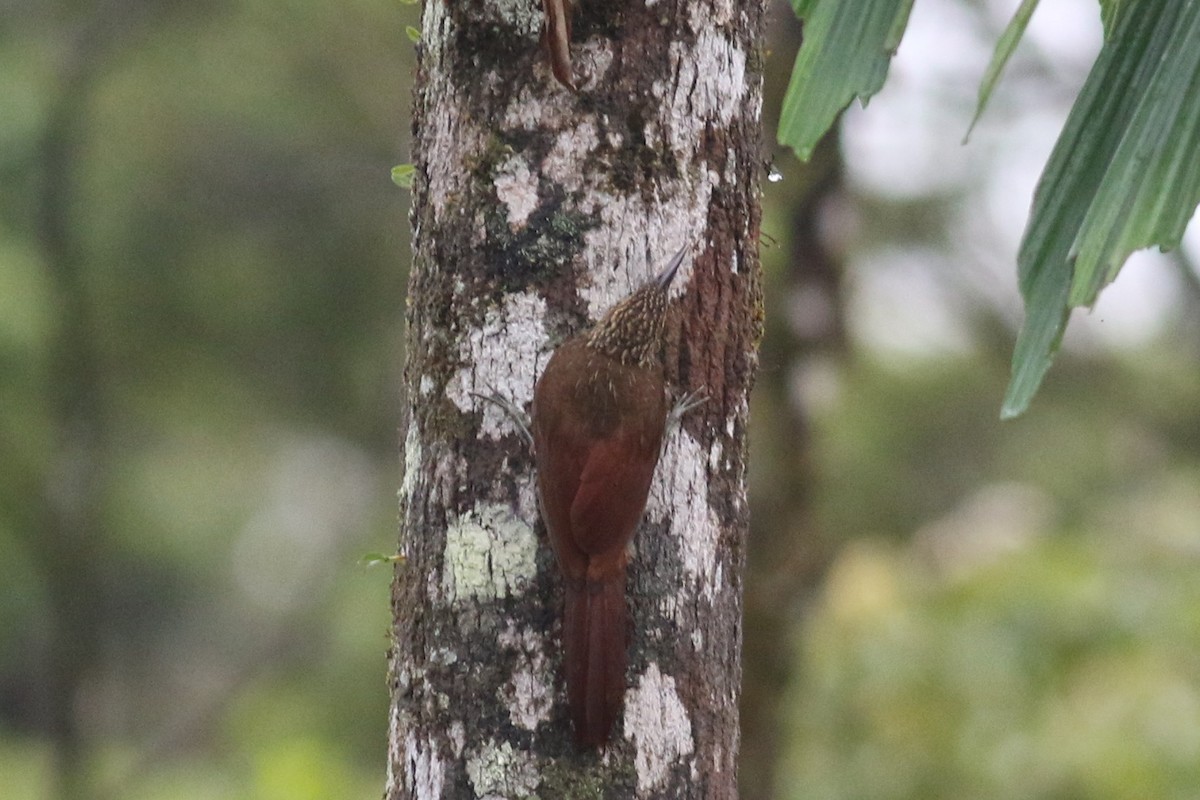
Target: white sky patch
<point>489,553</point>
<point>1191,243</point>
<point>901,304</point>
<point>1068,32</point>
<point>505,352</point>
<point>517,188</point>
<point>658,723</point>
<point>909,301</point>
<point>1140,305</point>
<point>1009,178</point>
<point>908,141</point>
<point>904,145</point>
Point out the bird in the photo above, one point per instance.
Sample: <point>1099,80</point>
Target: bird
<point>599,415</point>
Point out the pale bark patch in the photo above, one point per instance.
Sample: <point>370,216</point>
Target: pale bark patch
<point>683,473</point>
<point>731,177</point>
<point>722,12</point>
<point>424,768</point>
<point>571,146</point>
<point>716,457</point>
<point>458,737</point>
<point>517,188</point>
<point>498,771</point>
<point>490,553</point>
<point>450,134</point>
<point>534,111</point>
<point>658,723</point>
<point>523,15</point>
<point>435,30</point>
<point>708,87</point>
<point>444,657</point>
<point>529,694</point>
<point>591,62</point>
<point>637,223</point>
<point>506,349</point>
<point>391,778</point>
<point>412,462</point>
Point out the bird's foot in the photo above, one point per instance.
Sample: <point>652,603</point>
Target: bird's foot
<point>690,401</point>
<point>511,410</point>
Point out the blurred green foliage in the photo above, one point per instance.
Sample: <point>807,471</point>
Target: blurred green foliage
<point>196,209</point>
<point>1017,612</point>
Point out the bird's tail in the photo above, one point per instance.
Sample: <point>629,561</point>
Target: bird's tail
<point>594,645</point>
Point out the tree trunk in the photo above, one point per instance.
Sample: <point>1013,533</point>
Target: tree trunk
<point>534,210</point>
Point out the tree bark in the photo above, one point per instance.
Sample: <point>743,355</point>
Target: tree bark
<point>535,209</point>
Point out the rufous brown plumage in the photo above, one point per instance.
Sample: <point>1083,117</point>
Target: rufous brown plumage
<point>599,416</point>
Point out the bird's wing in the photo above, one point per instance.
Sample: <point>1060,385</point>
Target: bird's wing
<point>612,492</point>
<point>560,449</point>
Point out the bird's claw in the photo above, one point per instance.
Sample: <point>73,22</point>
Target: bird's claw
<point>511,410</point>
<point>689,402</point>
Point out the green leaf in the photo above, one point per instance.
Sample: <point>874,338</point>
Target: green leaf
<point>846,51</point>
<point>402,175</point>
<point>803,7</point>
<point>375,559</point>
<point>1004,48</point>
<point>1124,175</point>
<point>414,35</point>
<point>1110,12</point>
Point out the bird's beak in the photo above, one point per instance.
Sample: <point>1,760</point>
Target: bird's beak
<point>665,277</point>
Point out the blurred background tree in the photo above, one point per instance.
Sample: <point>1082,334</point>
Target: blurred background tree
<point>202,270</point>
<point>201,277</point>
